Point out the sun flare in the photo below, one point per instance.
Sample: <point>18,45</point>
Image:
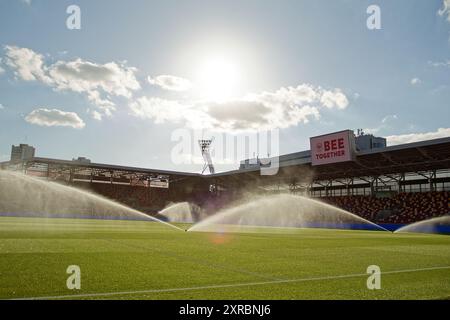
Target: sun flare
<point>218,79</point>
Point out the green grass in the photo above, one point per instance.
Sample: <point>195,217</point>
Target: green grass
<point>129,256</point>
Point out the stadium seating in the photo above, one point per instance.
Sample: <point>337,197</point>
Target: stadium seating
<point>402,208</point>
<point>149,200</point>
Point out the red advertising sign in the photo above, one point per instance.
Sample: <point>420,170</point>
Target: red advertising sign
<point>332,148</point>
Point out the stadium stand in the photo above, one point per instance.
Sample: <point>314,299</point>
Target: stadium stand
<point>400,209</point>
<point>393,185</point>
<point>148,200</point>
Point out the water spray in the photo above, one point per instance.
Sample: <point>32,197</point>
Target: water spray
<point>282,212</point>
<point>20,193</point>
<point>439,225</point>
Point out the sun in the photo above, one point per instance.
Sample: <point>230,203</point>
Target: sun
<point>218,79</point>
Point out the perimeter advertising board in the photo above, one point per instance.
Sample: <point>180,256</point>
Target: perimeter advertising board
<point>159,183</point>
<point>333,148</point>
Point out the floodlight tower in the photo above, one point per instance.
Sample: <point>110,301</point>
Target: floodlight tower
<point>205,147</point>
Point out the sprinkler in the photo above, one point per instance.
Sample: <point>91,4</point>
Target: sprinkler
<point>282,211</point>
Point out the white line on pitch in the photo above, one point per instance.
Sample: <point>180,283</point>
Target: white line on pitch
<point>221,286</point>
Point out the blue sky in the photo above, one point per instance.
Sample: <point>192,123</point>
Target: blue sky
<point>138,71</point>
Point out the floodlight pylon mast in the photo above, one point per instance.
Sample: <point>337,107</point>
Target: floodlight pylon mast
<point>205,146</point>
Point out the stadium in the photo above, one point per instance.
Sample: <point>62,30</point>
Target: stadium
<point>251,253</point>
<point>231,158</point>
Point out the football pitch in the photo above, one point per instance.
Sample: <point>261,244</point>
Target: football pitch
<point>148,260</point>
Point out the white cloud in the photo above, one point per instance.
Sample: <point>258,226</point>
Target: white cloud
<point>333,99</point>
<point>440,64</point>
<point>171,83</point>
<point>1,106</point>
<point>96,115</point>
<point>288,106</point>
<point>99,82</point>
<point>93,79</point>
<point>85,76</point>
<point>386,123</point>
<point>162,110</point>
<point>55,117</point>
<point>389,118</point>
<point>267,110</point>
<point>414,137</point>
<point>27,64</point>
<point>445,10</point>
<point>415,81</point>
<point>28,2</point>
